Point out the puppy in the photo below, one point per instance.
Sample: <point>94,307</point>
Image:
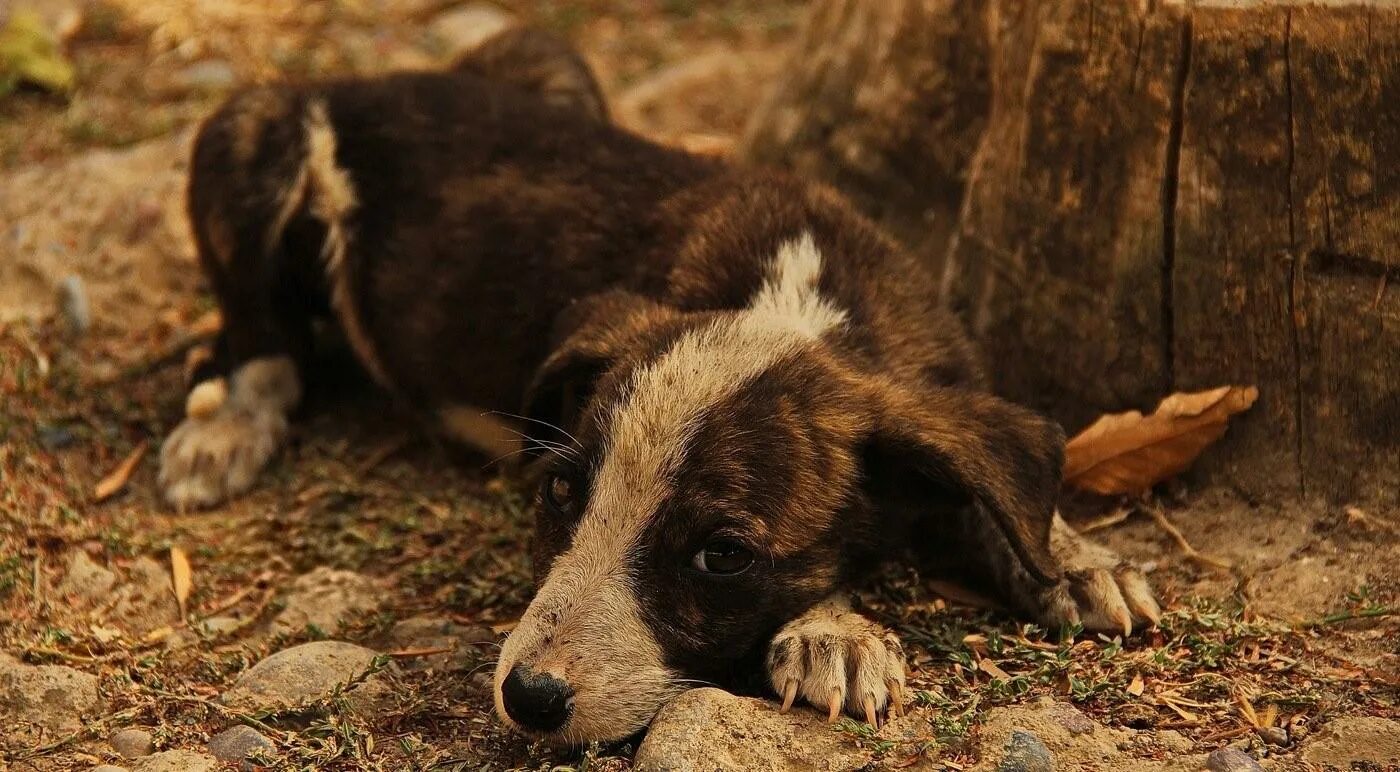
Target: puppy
<point>742,395</point>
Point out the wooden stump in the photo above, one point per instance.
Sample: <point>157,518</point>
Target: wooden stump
<point>1126,201</point>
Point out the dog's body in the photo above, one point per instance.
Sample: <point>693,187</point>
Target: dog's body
<point>755,393</point>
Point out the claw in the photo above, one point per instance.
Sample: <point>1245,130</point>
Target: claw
<point>1122,617</point>
<point>896,698</point>
<point>789,694</point>
<point>871,717</point>
<point>833,706</point>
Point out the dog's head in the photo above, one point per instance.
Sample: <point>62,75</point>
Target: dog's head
<point>719,483</point>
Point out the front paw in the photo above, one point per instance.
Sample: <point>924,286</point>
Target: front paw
<point>209,459</point>
<point>835,658</point>
<point>1099,590</point>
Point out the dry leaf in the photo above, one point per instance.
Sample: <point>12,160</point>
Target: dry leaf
<point>1129,452</point>
<point>109,485</point>
<point>1137,686</point>
<point>181,577</point>
<point>990,668</point>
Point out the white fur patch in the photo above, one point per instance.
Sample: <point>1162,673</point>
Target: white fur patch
<point>332,200</point>
<point>604,648</point>
<point>211,457</point>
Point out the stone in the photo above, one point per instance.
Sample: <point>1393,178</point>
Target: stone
<point>86,580</point>
<point>133,743</point>
<point>53,698</point>
<point>1024,752</point>
<point>216,626</point>
<point>306,673</point>
<point>145,598</point>
<point>176,761</point>
<point>109,768</point>
<point>1273,735</point>
<point>458,30</point>
<point>73,303</point>
<point>235,744</point>
<point>210,75</point>
<point>1231,760</point>
<point>711,730</point>
<point>432,632</point>
<point>1348,743</point>
<point>324,598</point>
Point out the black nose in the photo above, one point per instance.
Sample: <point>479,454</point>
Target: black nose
<point>537,701</point>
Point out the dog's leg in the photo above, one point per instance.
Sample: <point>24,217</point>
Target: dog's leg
<point>1097,588</point>
<point>248,191</point>
<point>837,659</point>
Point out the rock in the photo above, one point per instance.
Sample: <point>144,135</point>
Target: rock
<point>459,30</point>
<point>1024,752</point>
<point>1273,735</point>
<point>1348,743</point>
<point>235,744</point>
<point>109,768</point>
<point>73,303</point>
<point>1045,735</point>
<point>1231,760</point>
<point>133,743</point>
<point>145,599</point>
<point>86,580</point>
<point>325,598</point>
<point>176,761</point>
<point>217,626</point>
<point>710,730</point>
<point>53,698</point>
<point>430,632</point>
<point>307,673</point>
<point>210,75</point>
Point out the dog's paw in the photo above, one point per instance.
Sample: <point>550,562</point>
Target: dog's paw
<point>212,457</point>
<point>1099,590</point>
<point>835,658</point>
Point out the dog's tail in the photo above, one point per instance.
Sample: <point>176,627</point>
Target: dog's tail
<point>539,62</point>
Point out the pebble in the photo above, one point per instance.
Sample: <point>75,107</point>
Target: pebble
<point>1273,735</point>
<point>1024,752</point>
<point>324,598</point>
<point>235,744</point>
<point>459,30</point>
<point>431,632</point>
<point>109,768</point>
<point>1231,760</point>
<point>133,743</point>
<point>85,579</point>
<point>306,673</point>
<point>73,302</point>
<point>176,761</point>
<point>208,75</point>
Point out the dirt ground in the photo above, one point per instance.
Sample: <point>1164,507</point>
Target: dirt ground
<point>1290,620</point>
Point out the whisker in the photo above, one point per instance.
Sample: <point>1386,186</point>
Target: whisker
<point>559,429</point>
<point>552,444</point>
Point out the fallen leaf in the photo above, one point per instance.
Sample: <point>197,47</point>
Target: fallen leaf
<point>30,53</point>
<point>180,577</point>
<point>1137,686</point>
<point>1129,452</point>
<point>990,668</point>
<point>116,480</point>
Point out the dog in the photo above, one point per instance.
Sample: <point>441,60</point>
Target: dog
<point>742,396</point>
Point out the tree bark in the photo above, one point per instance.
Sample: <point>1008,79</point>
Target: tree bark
<point>1128,200</point>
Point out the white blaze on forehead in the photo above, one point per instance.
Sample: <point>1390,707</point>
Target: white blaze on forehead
<point>655,420</point>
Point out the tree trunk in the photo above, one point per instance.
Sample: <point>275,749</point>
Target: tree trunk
<point>1126,201</point>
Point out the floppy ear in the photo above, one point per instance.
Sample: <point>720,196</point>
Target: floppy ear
<point>971,447</point>
<point>589,337</point>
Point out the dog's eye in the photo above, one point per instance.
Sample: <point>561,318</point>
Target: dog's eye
<point>724,556</point>
<point>558,495</point>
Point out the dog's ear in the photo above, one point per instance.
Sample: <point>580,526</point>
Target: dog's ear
<point>951,447</point>
<point>589,337</point>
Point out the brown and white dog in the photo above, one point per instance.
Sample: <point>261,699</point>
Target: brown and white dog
<point>744,395</point>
